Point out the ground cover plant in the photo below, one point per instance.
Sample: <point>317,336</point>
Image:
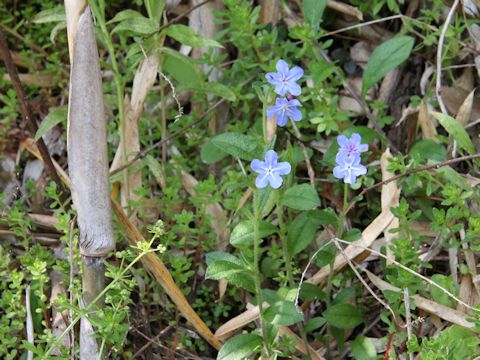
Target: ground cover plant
<point>290,179</point>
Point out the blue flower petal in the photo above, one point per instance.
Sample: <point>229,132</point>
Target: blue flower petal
<point>261,181</point>
<point>282,168</point>
<point>295,73</point>
<point>271,158</point>
<point>293,88</point>
<point>342,141</point>
<point>275,181</point>
<point>295,114</point>
<point>282,67</point>
<point>282,118</point>
<point>258,166</point>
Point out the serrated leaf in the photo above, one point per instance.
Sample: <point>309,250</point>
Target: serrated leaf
<point>244,233</point>
<point>54,117</point>
<point>343,316</point>
<point>313,10</point>
<point>456,131</point>
<point>139,25</point>
<point>238,145</point>
<point>283,313</point>
<point>209,88</point>
<point>363,349</point>
<point>385,58</point>
<point>240,347</point>
<point>211,154</point>
<point>57,14</point>
<point>187,36</point>
<point>301,197</point>
<point>301,233</point>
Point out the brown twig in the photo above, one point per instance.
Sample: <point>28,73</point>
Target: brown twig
<point>416,170</point>
<point>27,112</point>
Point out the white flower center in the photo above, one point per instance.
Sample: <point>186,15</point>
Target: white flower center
<point>269,171</point>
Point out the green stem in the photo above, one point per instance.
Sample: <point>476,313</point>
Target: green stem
<point>96,299</point>
<point>288,265</point>
<point>256,266</point>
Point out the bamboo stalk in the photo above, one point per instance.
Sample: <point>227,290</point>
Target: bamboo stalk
<point>88,161</point>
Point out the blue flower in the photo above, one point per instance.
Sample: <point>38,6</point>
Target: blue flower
<point>348,167</point>
<point>284,109</point>
<point>285,79</point>
<point>270,170</point>
<point>352,146</point>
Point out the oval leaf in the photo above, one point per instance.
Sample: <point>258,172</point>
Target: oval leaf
<point>363,349</point>
<point>301,233</point>
<point>239,347</point>
<point>235,144</point>
<point>301,197</point>
<point>244,233</point>
<point>138,25</point>
<point>343,316</point>
<point>385,58</point>
<point>187,36</point>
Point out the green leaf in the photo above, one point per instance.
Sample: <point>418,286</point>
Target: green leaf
<point>222,270</point>
<point>54,117</point>
<point>244,233</point>
<point>313,11</point>
<point>343,316</point>
<point>57,14</point>
<point>124,15</point>
<point>221,265</point>
<point>301,197</point>
<point>180,67</point>
<point>428,150</point>
<point>456,131</point>
<point>209,88</point>
<point>138,25</point>
<point>314,323</point>
<point>385,58</point>
<point>187,36</point>
<point>363,349</point>
<point>211,154</point>
<point>155,9</point>
<point>310,292</point>
<point>283,313</point>
<point>240,347</point>
<point>238,145</point>
<point>301,233</point>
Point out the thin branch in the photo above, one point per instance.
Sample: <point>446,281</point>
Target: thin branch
<point>416,170</point>
<point>27,112</point>
<point>438,84</point>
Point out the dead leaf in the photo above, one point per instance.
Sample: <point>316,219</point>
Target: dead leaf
<point>443,312</point>
<point>389,198</point>
<point>356,248</point>
<point>465,112</point>
<point>426,122</point>
<point>455,97</point>
<point>345,9</point>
